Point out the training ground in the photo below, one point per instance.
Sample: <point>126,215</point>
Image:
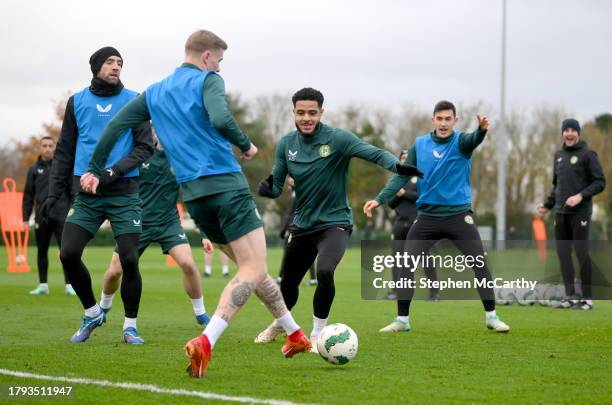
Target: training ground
<point>550,355</point>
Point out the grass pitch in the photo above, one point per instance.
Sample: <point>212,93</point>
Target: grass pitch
<point>550,355</point>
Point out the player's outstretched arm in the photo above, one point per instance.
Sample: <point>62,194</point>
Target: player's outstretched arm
<point>143,150</point>
<point>353,146</point>
<point>221,118</point>
<point>132,115</point>
<point>468,142</point>
<point>144,147</point>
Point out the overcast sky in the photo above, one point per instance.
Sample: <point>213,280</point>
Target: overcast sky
<point>378,53</point>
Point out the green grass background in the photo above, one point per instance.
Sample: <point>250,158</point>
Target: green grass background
<point>550,355</point>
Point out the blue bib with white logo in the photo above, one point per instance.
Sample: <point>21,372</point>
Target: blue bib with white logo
<point>446,170</point>
<point>92,114</point>
<point>193,146</point>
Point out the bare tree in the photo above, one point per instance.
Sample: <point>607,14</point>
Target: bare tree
<point>275,111</point>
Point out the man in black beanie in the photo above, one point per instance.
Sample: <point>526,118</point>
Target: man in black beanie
<point>87,114</point>
<point>577,177</point>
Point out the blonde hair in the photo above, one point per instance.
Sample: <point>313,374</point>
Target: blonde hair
<point>203,40</point>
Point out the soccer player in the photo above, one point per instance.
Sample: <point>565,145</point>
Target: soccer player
<point>444,203</point>
<point>196,129</point>
<point>87,113</point>
<point>34,195</point>
<point>404,205</point>
<point>158,191</point>
<point>577,177</point>
<point>317,157</point>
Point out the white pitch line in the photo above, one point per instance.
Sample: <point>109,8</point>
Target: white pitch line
<point>148,388</point>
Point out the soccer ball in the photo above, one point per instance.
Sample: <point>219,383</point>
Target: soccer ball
<point>504,296</point>
<point>525,296</point>
<point>337,343</point>
<point>553,295</point>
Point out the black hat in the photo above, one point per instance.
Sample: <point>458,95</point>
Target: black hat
<point>570,123</point>
<point>99,57</point>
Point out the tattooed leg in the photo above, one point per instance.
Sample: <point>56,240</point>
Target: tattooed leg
<point>249,254</point>
<point>269,293</point>
<point>234,296</point>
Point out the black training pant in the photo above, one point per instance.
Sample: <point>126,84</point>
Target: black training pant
<point>311,270</point>
<point>303,247</point>
<point>573,230</point>
<point>43,232</point>
<point>459,228</point>
<point>74,240</point>
<point>400,233</point>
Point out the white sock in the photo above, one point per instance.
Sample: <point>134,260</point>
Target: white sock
<point>215,329</point>
<point>317,325</point>
<point>93,311</point>
<point>403,318</point>
<point>129,323</point>
<point>489,314</point>
<point>225,269</point>
<point>44,285</point>
<point>207,269</point>
<point>287,323</point>
<point>107,300</point>
<point>198,306</point>
<point>68,286</point>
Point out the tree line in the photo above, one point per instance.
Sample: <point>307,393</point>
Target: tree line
<point>532,137</point>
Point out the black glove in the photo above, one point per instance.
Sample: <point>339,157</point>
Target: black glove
<point>46,208</point>
<point>265,187</point>
<point>408,170</point>
<point>109,175</point>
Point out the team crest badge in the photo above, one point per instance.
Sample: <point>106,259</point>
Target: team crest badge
<point>469,220</point>
<point>324,151</point>
<point>414,180</point>
<point>574,160</point>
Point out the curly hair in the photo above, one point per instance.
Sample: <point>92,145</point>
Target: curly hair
<point>308,93</point>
